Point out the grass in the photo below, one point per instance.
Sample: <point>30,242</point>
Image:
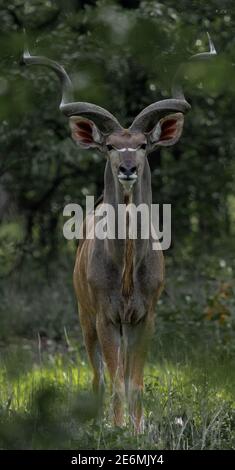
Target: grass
<point>188,405</point>
<point>189,398</point>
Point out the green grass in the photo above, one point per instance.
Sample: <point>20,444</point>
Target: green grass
<point>188,405</point>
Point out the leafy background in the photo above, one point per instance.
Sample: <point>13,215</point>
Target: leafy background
<point>121,55</point>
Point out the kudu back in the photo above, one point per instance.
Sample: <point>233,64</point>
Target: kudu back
<point>118,281</point>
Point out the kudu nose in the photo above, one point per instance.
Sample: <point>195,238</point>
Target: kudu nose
<point>128,172</point>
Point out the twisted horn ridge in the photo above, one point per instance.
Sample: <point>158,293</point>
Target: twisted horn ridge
<point>103,118</point>
<point>146,119</point>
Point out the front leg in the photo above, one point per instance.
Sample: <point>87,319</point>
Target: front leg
<point>110,340</point>
<point>136,342</point>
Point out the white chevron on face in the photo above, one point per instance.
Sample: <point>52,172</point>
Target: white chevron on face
<point>129,149</point>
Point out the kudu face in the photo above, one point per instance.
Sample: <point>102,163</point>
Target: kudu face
<point>126,149</point>
<point>126,153</point>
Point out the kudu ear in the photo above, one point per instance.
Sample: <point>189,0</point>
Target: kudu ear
<point>167,131</point>
<point>84,132</point>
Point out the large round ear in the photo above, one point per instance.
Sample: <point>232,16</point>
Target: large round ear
<point>167,131</point>
<point>85,133</point>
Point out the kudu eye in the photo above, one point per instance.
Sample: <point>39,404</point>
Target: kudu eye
<point>143,146</point>
<point>110,147</point>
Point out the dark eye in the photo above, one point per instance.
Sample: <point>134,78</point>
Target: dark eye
<point>143,146</point>
<point>109,147</point>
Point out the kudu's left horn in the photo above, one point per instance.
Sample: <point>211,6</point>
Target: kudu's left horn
<point>103,118</point>
<point>177,103</point>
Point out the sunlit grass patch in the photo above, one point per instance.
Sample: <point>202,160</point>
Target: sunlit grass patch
<point>187,406</point>
<point>56,371</point>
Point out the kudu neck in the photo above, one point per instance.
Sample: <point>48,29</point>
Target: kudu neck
<point>114,195</point>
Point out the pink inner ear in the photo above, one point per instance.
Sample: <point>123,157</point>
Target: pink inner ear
<point>85,126</point>
<point>168,129</point>
<point>84,132</point>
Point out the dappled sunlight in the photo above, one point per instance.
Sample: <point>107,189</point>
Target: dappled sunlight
<point>185,404</point>
<point>216,382</point>
<point>18,392</point>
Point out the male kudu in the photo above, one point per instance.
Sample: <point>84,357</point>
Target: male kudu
<point>118,282</point>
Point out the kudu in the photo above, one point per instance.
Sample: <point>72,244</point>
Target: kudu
<point>118,282</point>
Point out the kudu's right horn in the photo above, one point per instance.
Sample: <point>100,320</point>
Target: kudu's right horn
<point>177,103</point>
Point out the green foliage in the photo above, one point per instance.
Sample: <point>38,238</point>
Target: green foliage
<point>121,55</point>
